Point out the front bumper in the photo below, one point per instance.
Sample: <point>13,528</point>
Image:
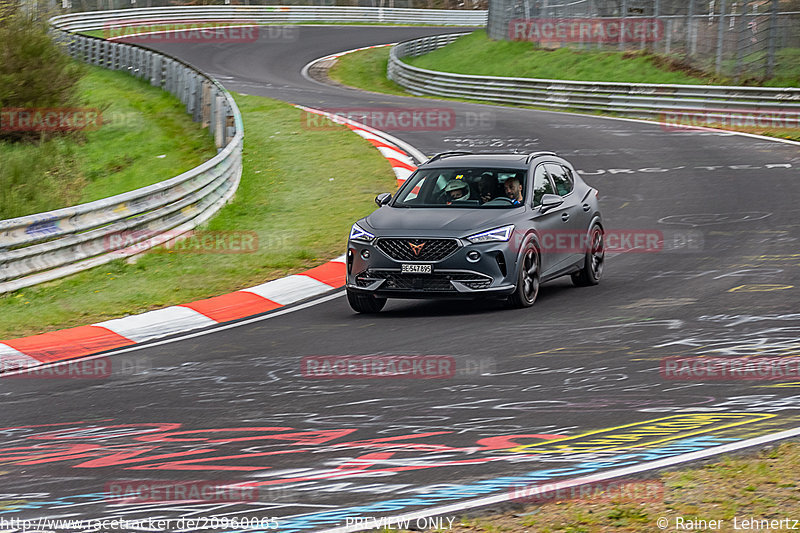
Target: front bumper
<point>491,275</point>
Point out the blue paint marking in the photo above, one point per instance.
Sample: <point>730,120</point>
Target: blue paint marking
<point>487,486</point>
<point>47,226</point>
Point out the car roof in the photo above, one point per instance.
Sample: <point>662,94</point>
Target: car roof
<point>514,161</point>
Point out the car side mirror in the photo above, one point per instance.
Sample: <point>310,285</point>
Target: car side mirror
<point>383,199</point>
<point>549,201</point>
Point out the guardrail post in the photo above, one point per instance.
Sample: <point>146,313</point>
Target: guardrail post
<point>230,124</point>
<point>206,105</point>
<point>219,121</point>
<point>155,75</point>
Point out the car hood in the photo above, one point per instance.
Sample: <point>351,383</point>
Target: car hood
<point>451,221</point>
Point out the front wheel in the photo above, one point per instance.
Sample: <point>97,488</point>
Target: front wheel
<point>528,278</point>
<point>593,263</point>
<point>365,303</point>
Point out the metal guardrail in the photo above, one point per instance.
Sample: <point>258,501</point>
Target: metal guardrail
<point>46,246</point>
<point>640,100</point>
<point>100,20</point>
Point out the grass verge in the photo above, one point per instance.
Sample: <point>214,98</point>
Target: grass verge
<point>146,137</point>
<point>301,190</point>
<point>476,54</point>
<point>366,70</point>
<point>762,486</point>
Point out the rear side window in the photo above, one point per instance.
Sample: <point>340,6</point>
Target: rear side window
<point>562,178</point>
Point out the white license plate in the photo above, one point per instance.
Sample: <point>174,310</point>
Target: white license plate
<point>416,269</point>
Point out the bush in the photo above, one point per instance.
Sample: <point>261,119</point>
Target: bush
<point>34,71</point>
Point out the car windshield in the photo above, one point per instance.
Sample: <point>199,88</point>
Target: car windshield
<point>471,187</point>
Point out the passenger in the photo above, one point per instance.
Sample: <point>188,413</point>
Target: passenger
<point>488,187</point>
<point>513,189</point>
<point>456,190</point>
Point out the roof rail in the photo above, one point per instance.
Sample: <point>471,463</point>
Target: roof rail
<point>533,155</point>
<point>447,154</point>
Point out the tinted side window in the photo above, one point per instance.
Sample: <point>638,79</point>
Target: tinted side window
<point>541,185</point>
<point>561,177</point>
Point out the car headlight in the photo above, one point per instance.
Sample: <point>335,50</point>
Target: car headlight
<point>493,235</point>
<point>359,234</point>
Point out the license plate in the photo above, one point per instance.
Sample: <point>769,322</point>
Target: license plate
<point>416,269</point>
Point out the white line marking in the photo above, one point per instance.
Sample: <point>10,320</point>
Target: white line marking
<point>191,335</point>
<point>509,495</point>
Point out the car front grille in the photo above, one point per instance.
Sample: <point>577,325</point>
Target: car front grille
<point>418,249</point>
<point>437,282</point>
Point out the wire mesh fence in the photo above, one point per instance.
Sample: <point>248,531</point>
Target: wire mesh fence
<point>736,38</point>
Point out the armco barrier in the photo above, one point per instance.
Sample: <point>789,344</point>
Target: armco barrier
<point>99,20</point>
<point>46,246</point>
<point>641,100</point>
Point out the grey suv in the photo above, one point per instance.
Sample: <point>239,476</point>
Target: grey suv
<point>469,225</point>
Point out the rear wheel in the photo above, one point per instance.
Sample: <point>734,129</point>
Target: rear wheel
<point>528,278</point>
<point>365,303</point>
<point>592,269</point>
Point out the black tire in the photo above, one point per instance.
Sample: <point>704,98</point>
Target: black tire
<point>528,277</point>
<point>365,303</point>
<point>592,269</point>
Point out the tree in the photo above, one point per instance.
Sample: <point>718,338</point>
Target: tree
<point>34,71</point>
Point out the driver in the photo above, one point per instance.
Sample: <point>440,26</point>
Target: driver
<point>513,190</point>
<point>456,190</point>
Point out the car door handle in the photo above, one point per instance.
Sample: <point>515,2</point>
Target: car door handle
<point>564,216</point>
<point>586,207</point>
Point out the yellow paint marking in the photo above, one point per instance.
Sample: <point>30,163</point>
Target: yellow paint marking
<point>760,287</point>
<point>787,385</point>
<point>645,433</point>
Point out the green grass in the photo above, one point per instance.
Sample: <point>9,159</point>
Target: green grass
<point>301,190</point>
<point>146,137</point>
<point>760,485</point>
<point>366,69</point>
<point>476,54</point>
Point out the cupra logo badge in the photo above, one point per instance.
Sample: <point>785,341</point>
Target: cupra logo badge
<point>416,248</point>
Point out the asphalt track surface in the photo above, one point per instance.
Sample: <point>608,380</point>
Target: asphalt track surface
<point>582,359</point>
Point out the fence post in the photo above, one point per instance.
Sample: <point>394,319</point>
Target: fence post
<point>668,44</point>
<point>691,35</point>
<point>741,39</point>
<point>720,36</point>
<point>773,34</point>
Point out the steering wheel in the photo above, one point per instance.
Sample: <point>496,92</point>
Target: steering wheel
<point>509,200</point>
